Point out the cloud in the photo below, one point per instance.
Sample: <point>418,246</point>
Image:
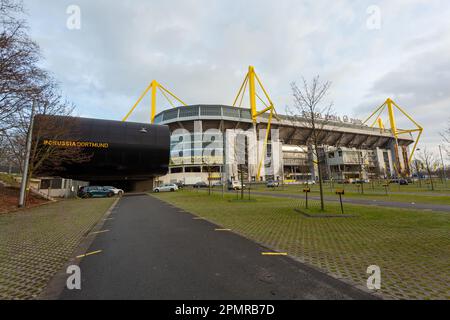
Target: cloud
<point>200,50</point>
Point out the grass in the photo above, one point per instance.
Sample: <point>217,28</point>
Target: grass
<point>411,247</point>
<point>395,193</point>
<point>9,179</point>
<point>35,243</point>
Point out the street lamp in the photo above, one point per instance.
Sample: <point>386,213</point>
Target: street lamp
<point>26,162</point>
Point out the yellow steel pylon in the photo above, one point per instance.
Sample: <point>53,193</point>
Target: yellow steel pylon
<point>154,86</point>
<point>252,81</point>
<point>390,105</point>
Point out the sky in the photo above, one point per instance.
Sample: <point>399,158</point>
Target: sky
<point>201,50</point>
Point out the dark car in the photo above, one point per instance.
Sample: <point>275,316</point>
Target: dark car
<point>403,182</point>
<point>95,192</point>
<point>272,184</point>
<point>201,184</point>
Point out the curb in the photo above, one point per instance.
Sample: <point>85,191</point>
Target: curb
<point>57,283</point>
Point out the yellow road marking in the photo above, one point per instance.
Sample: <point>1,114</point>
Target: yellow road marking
<point>102,231</point>
<point>88,254</point>
<point>274,253</point>
<point>222,229</point>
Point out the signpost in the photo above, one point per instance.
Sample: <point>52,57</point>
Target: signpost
<point>340,192</point>
<point>306,191</point>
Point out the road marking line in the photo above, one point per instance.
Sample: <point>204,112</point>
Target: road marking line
<point>97,232</point>
<point>88,254</point>
<point>108,219</point>
<point>198,218</point>
<point>274,253</point>
<point>222,229</point>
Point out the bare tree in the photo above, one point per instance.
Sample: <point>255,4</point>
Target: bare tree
<point>310,110</point>
<point>417,164</point>
<point>240,159</point>
<point>428,160</point>
<point>446,139</point>
<point>22,84</point>
<point>21,80</point>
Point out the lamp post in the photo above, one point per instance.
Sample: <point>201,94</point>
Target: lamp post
<point>26,162</point>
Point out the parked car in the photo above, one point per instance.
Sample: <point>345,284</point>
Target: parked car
<point>171,187</point>
<point>95,192</point>
<point>403,182</point>
<point>217,184</point>
<point>117,192</point>
<point>235,185</point>
<point>201,184</point>
<point>272,184</point>
<point>360,181</point>
<point>309,182</point>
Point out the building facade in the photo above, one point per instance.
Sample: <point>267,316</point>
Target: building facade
<point>221,143</point>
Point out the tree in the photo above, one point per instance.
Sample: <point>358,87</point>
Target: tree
<point>240,158</point>
<point>417,165</point>
<point>310,110</point>
<point>24,84</point>
<point>21,80</point>
<point>446,139</point>
<point>428,160</point>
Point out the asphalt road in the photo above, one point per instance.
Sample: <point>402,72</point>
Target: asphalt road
<point>156,251</point>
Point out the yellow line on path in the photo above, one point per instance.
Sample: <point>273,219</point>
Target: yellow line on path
<point>274,253</point>
<point>198,218</point>
<point>88,254</point>
<point>222,229</point>
<point>97,232</point>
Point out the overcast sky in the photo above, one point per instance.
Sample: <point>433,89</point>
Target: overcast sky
<point>201,51</point>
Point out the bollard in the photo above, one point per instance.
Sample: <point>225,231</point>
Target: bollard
<point>340,192</point>
<point>306,191</point>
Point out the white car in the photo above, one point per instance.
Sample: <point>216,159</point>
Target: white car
<point>235,185</point>
<point>166,187</point>
<point>117,192</point>
<point>310,182</point>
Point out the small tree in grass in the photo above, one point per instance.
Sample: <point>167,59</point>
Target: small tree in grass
<point>310,110</point>
<point>428,160</point>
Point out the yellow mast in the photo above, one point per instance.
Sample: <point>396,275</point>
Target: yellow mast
<point>252,80</point>
<point>391,106</point>
<point>154,86</point>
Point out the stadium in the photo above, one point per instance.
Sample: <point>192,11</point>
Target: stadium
<point>350,149</point>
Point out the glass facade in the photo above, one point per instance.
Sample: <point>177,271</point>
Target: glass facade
<point>188,148</point>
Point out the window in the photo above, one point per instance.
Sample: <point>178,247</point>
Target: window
<point>176,170</point>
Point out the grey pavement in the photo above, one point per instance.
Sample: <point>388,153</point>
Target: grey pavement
<point>156,251</point>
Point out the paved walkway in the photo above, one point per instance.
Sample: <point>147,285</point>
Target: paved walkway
<point>156,251</point>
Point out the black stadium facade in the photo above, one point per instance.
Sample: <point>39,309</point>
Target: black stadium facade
<point>124,153</point>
